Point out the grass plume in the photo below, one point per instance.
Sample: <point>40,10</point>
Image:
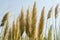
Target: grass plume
<point>56,10</point>
<point>13,30</point>
<point>5,30</point>
<point>49,13</point>
<point>41,24</point>
<point>33,21</point>
<point>21,22</point>
<point>28,23</point>
<point>4,18</point>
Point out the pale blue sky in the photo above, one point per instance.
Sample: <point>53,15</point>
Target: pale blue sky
<point>14,7</point>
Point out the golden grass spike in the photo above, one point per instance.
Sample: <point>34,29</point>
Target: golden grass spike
<point>5,30</point>
<point>21,22</point>
<point>5,18</point>
<point>49,13</point>
<point>41,24</point>
<point>33,21</point>
<point>50,33</point>
<point>56,10</point>
<point>28,23</point>
<point>18,32</point>
<point>9,34</point>
<point>13,30</point>
<point>16,29</point>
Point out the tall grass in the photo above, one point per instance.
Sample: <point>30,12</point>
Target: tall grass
<point>28,32</point>
<point>18,26</point>
<point>49,13</point>
<point>5,24</point>
<point>4,19</point>
<point>41,24</point>
<point>5,31</point>
<point>13,30</point>
<point>33,22</point>
<point>56,12</point>
<point>21,22</point>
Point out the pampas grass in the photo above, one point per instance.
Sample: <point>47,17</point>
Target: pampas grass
<point>18,27</point>
<point>49,13</point>
<point>33,22</point>
<point>5,30</point>
<point>28,32</point>
<point>56,10</point>
<point>13,30</point>
<point>17,30</point>
<point>48,16</point>
<point>41,24</point>
<point>5,24</point>
<point>21,22</point>
<point>4,18</point>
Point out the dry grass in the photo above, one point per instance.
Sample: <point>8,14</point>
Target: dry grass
<point>33,21</point>
<point>18,26</point>
<point>56,10</point>
<point>41,24</point>
<point>4,19</point>
<point>49,13</point>
<point>5,24</point>
<point>5,30</point>
<point>28,32</point>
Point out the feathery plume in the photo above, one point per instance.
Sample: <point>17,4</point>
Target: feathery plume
<point>49,13</point>
<point>41,24</point>
<point>21,22</point>
<point>4,18</point>
<point>56,10</point>
<point>33,21</point>
<point>16,29</point>
<point>28,23</point>
<point>13,30</point>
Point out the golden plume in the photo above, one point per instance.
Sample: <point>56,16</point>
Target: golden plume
<point>41,24</point>
<point>56,10</point>
<point>4,18</point>
<point>21,22</point>
<point>28,23</point>
<point>33,21</point>
<point>5,30</point>
<point>49,13</point>
<point>16,29</point>
<point>13,30</point>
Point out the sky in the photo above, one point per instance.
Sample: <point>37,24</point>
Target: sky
<point>14,7</point>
